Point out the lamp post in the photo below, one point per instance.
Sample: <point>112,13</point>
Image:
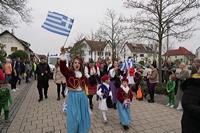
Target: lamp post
<point>168,27</point>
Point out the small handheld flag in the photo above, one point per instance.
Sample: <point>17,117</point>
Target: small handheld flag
<point>58,23</point>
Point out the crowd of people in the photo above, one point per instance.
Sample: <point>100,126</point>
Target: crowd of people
<point>114,84</point>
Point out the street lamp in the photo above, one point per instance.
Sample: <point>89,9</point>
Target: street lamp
<point>168,27</point>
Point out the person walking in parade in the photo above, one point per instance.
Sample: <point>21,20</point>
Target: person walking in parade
<point>91,72</point>
<point>103,93</point>
<point>8,70</point>
<point>124,97</point>
<point>59,79</point>
<point>42,71</point>
<point>78,117</point>
<point>115,75</point>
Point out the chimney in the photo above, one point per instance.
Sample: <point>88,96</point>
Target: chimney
<point>12,31</point>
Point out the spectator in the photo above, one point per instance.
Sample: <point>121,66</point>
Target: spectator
<point>152,81</point>
<point>182,76</point>
<point>190,101</point>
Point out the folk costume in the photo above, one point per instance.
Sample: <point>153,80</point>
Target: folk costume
<point>78,118</point>
<point>115,83</point>
<point>124,97</point>
<point>92,73</point>
<point>103,93</point>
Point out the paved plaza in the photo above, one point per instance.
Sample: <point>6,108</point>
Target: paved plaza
<point>47,116</point>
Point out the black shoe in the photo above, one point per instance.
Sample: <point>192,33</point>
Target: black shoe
<point>58,98</point>
<point>46,97</point>
<point>114,106</point>
<point>40,100</point>
<point>125,127</point>
<point>91,107</point>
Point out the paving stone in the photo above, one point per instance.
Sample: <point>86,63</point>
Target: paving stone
<point>47,116</point>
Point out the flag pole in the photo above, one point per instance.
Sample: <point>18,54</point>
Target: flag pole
<point>65,41</point>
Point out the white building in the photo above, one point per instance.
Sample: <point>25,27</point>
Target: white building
<point>198,52</point>
<point>140,52</point>
<point>12,43</point>
<point>94,49</point>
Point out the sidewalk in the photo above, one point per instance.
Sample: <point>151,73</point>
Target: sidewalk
<point>47,116</point>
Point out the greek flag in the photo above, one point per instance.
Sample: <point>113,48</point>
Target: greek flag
<point>127,64</point>
<point>58,23</point>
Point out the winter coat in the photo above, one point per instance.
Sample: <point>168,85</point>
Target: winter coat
<point>58,76</point>
<point>191,106</point>
<point>153,78</point>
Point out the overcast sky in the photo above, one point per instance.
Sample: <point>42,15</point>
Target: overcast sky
<point>87,15</point>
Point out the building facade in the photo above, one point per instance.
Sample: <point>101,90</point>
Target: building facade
<point>139,52</point>
<point>94,49</point>
<point>12,43</point>
<point>198,52</point>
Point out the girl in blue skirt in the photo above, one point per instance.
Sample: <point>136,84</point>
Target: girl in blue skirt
<point>124,97</point>
<point>78,118</point>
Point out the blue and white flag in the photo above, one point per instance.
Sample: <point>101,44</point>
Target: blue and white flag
<point>58,23</point>
<point>127,64</point>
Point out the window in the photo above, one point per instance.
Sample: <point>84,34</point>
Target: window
<point>13,49</point>
<point>100,53</point>
<point>141,55</point>
<point>90,52</point>
<point>107,53</point>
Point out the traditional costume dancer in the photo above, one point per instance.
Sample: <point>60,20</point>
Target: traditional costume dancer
<point>78,117</point>
<point>124,97</point>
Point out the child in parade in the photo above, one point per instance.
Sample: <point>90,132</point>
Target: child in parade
<point>5,96</point>
<point>171,90</point>
<point>103,93</point>
<point>78,117</point>
<point>124,97</point>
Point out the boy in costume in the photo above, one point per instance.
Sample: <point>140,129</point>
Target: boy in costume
<point>104,92</point>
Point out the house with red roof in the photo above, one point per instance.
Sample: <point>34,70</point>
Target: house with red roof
<point>180,55</point>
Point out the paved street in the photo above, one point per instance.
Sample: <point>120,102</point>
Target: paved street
<point>47,116</point>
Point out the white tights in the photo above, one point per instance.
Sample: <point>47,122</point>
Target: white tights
<point>104,115</point>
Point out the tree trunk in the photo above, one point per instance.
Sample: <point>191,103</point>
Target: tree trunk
<point>160,60</point>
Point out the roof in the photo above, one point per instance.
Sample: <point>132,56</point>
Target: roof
<point>139,48</point>
<point>94,45</point>
<point>24,43</point>
<point>179,51</point>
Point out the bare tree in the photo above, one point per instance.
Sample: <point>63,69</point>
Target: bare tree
<point>112,30</point>
<point>11,10</point>
<point>155,17</point>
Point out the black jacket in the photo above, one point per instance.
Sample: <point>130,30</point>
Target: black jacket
<point>191,106</point>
